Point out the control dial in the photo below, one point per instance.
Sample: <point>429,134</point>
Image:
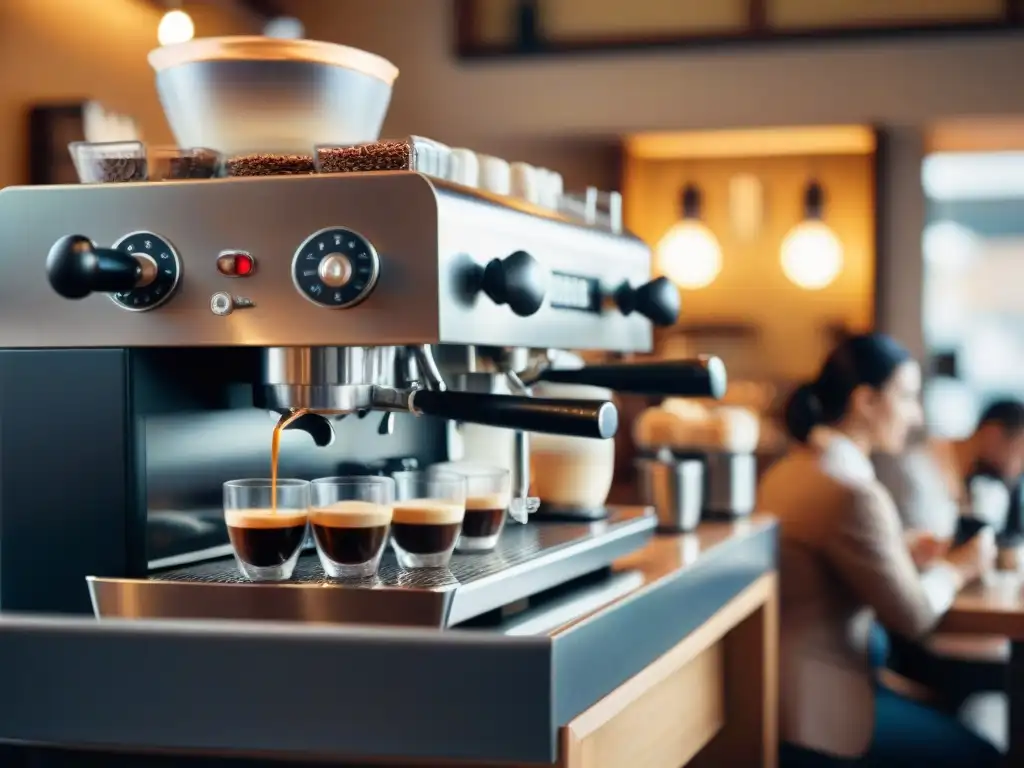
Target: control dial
<point>520,281</point>
<point>335,268</point>
<point>140,272</point>
<point>658,301</point>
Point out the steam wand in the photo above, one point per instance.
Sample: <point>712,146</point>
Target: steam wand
<point>520,444</point>
<point>423,357</point>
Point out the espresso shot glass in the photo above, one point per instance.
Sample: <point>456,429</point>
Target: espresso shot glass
<point>266,525</point>
<point>350,518</point>
<point>428,513</point>
<point>488,490</point>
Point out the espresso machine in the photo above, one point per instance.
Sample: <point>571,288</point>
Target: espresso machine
<point>154,331</point>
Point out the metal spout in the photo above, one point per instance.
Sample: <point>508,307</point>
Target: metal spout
<point>316,426</point>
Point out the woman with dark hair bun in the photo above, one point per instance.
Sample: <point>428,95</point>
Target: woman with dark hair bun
<point>844,556</point>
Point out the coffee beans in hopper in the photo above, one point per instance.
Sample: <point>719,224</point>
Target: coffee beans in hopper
<point>157,165</point>
<point>198,164</point>
<point>377,156</point>
<point>113,170</point>
<point>270,165</point>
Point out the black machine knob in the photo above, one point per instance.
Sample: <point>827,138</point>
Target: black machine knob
<point>77,268</point>
<point>519,281</point>
<point>658,301</point>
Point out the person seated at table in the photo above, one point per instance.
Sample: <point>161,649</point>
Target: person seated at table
<point>843,557</point>
<point>934,485</point>
<point>938,481</point>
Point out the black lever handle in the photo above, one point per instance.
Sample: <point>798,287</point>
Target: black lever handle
<point>76,268</point>
<point>519,281</point>
<point>703,377</point>
<point>659,301</point>
<point>579,418</point>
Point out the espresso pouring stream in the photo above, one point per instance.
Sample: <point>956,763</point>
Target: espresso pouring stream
<point>275,450</point>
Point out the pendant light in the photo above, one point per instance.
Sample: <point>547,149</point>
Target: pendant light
<point>175,27</point>
<point>812,256</point>
<point>689,254</point>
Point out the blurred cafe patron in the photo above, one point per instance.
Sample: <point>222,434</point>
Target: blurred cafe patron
<point>936,484</point>
<point>938,481</point>
<point>844,558</point>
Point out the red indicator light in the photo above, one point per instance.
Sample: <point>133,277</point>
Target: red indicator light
<point>244,264</point>
<point>233,264</point>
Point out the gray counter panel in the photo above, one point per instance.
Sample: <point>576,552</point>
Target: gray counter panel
<point>257,688</point>
<point>598,655</point>
<point>302,690</point>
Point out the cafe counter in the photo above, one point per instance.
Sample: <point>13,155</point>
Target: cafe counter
<point>669,660</point>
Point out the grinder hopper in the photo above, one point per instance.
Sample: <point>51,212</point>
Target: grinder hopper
<point>242,95</point>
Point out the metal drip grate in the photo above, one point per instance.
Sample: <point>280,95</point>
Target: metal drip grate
<point>529,559</point>
<point>518,544</point>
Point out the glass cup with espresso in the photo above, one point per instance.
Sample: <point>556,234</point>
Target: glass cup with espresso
<point>350,518</point>
<point>488,490</point>
<point>428,513</point>
<point>267,525</point>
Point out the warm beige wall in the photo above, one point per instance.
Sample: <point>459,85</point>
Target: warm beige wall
<point>751,288</point>
<point>71,50</point>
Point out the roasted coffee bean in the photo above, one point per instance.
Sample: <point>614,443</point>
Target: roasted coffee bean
<point>202,164</point>
<point>270,165</point>
<point>378,156</point>
<point>113,170</point>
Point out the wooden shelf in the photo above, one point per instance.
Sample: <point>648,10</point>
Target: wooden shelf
<point>490,28</point>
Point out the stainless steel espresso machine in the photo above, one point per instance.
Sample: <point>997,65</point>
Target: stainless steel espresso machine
<point>154,377</point>
<point>153,332</point>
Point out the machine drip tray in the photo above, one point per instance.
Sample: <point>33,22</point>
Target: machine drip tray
<point>529,559</point>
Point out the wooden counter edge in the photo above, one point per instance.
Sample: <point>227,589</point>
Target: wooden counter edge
<point>742,640</point>
<point>727,673</point>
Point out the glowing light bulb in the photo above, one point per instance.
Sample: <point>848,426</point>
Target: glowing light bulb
<point>812,256</point>
<point>689,254</point>
<point>285,28</point>
<point>175,27</point>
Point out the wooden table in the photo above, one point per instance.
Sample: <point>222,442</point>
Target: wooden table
<point>996,608</point>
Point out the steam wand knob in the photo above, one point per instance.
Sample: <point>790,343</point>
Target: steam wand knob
<point>658,301</point>
<point>77,268</point>
<point>520,281</point>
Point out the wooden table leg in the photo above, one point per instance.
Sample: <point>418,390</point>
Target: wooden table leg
<point>1015,694</point>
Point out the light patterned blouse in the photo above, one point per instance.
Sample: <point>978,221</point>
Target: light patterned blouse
<point>931,492</point>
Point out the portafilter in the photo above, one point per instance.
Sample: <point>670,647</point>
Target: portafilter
<point>335,381</point>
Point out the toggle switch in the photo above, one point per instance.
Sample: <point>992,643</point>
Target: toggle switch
<point>223,303</point>
<point>235,264</point>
